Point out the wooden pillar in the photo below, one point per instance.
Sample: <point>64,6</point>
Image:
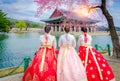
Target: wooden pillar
<point>62,29</point>
<point>80,28</point>
<point>57,26</point>
<point>89,29</point>
<point>54,27</point>
<point>72,28</point>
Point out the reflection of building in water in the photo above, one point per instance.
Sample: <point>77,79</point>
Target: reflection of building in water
<point>60,18</point>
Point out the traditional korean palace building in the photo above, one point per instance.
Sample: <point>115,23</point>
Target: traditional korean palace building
<point>60,18</point>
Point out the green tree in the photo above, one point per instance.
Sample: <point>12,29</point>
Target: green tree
<point>12,22</point>
<point>4,22</point>
<point>21,24</point>
<point>28,25</point>
<point>35,25</point>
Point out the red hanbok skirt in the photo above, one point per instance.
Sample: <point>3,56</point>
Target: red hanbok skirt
<point>39,70</point>
<point>97,68</point>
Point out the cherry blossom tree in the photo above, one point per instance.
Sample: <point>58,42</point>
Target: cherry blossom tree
<point>111,26</point>
<point>92,5</point>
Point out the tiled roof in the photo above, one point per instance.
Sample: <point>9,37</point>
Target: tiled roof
<point>73,15</point>
<point>69,15</point>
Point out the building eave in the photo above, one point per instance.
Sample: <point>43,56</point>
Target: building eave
<point>52,20</point>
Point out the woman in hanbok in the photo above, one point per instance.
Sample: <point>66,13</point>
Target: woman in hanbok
<point>43,66</point>
<point>69,66</point>
<point>96,66</point>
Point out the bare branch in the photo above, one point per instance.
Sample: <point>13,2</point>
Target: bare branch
<point>93,7</point>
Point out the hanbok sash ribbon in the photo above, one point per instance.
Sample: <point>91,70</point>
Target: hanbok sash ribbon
<point>43,58</point>
<point>89,47</point>
<point>46,46</point>
<point>43,55</point>
<point>65,46</point>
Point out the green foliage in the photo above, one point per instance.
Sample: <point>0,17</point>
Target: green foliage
<point>4,22</point>
<point>12,22</point>
<point>35,25</point>
<point>29,24</point>
<point>21,24</point>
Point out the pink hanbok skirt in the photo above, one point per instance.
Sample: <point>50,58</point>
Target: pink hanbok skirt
<point>70,67</point>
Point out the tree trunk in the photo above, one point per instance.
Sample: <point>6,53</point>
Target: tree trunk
<point>26,28</point>
<point>113,33</point>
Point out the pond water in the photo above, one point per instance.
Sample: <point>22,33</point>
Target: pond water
<point>14,47</point>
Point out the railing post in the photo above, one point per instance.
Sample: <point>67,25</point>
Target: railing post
<point>26,62</point>
<point>109,52</point>
<point>96,46</point>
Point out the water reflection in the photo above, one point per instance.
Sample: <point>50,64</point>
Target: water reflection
<point>16,46</point>
<point>102,41</point>
<point>3,38</point>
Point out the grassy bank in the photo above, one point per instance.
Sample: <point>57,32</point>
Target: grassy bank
<point>11,71</point>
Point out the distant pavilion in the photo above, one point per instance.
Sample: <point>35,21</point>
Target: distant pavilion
<point>60,18</point>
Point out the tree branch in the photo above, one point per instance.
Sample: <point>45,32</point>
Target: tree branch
<point>93,7</point>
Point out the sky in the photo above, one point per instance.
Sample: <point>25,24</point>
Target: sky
<point>26,10</point>
<point>114,10</point>
<point>21,10</point>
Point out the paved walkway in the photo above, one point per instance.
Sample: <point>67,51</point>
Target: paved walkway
<point>114,63</point>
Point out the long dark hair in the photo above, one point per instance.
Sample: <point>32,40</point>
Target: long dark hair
<point>84,29</point>
<point>47,29</point>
